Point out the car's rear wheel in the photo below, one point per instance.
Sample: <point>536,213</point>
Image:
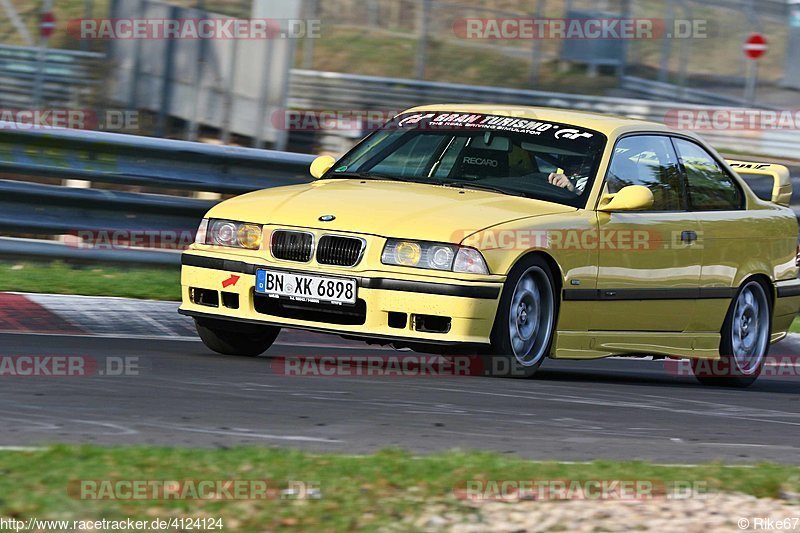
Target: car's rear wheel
<point>745,341</point>
<point>230,338</point>
<point>522,335</point>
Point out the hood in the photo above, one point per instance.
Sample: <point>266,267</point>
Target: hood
<point>384,208</point>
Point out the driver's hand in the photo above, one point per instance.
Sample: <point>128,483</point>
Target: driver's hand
<point>561,180</point>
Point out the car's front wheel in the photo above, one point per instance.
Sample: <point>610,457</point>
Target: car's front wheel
<point>522,335</point>
<point>230,338</point>
<point>745,341</point>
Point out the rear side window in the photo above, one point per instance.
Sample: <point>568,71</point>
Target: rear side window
<point>647,160</point>
<point>709,186</point>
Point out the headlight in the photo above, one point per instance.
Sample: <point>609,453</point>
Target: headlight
<point>230,234</point>
<point>470,260</point>
<point>434,256</point>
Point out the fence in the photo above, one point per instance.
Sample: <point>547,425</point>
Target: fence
<point>711,57</point>
<point>69,84</point>
<point>415,38</point>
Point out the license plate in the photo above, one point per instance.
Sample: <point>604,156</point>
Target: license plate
<point>306,288</point>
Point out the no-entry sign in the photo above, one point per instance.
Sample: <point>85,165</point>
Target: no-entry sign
<point>47,25</point>
<point>755,46</point>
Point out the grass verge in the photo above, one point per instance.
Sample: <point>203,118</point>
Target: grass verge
<point>356,492</point>
<point>61,278</point>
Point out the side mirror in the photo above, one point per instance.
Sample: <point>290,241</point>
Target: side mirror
<point>321,165</point>
<point>630,198</point>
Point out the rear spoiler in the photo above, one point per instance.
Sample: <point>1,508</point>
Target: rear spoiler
<point>782,181</point>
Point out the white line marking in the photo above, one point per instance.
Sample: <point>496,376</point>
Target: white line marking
<point>116,298</point>
<point>246,434</point>
<point>122,429</point>
<point>104,336</point>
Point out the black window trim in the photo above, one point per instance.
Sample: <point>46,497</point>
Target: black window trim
<point>682,179</point>
<point>722,167</point>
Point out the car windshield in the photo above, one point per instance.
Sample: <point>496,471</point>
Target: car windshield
<point>516,156</point>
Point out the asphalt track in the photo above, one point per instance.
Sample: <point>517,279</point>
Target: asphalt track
<point>183,395</point>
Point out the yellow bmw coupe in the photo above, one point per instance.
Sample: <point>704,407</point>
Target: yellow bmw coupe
<point>518,234</point>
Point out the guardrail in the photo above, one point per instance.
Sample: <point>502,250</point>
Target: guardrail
<point>657,90</point>
<point>312,89</point>
<point>40,209</point>
<point>146,161</point>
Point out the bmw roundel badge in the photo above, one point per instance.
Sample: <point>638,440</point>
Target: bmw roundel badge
<point>327,218</point>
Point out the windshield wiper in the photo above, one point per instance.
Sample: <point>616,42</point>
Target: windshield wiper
<point>371,176</point>
<point>482,187</point>
<point>357,175</point>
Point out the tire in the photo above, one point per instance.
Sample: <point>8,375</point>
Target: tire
<point>228,338</point>
<point>745,341</point>
<point>522,335</point>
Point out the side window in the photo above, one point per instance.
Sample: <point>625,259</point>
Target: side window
<point>647,160</point>
<point>709,186</point>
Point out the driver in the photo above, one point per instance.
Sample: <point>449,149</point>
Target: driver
<point>561,180</point>
<point>570,178</point>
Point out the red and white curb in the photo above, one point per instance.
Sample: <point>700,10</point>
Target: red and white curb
<point>92,316</point>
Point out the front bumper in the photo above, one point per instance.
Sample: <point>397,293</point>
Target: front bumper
<point>469,306</point>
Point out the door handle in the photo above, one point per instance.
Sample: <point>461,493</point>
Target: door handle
<point>688,236</point>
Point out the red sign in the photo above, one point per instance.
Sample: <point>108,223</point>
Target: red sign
<point>755,46</point>
<point>47,25</point>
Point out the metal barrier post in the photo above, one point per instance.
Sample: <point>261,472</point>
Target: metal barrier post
<point>309,43</point>
<point>166,81</point>
<point>536,59</point>
<point>41,59</point>
<point>422,45</point>
<point>193,128</point>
